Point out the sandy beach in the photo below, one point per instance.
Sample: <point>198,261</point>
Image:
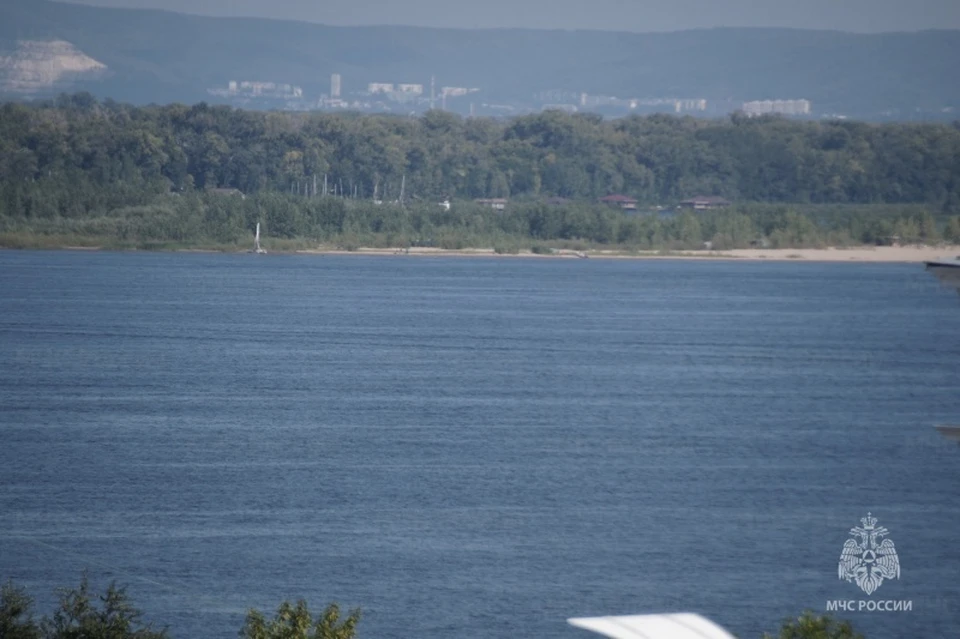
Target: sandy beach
<point>908,254</point>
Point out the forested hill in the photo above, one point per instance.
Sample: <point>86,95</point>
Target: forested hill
<point>155,56</point>
<point>79,146</point>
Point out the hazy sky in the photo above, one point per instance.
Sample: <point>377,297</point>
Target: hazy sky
<point>625,15</point>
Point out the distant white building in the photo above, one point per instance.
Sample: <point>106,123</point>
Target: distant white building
<point>414,89</point>
<point>677,105</point>
<point>453,92</point>
<point>250,89</point>
<point>335,86</point>
<point>690,105</point>
<point>785,107</point>
<point>380,87</point>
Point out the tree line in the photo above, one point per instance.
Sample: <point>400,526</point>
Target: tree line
<point>85,614</point>
<point>658,159</point>
<point>78,168</point>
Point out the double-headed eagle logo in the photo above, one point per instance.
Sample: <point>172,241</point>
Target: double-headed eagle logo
<point>866,559</point>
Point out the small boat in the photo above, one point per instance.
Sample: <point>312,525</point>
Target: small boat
<point>950,432</point>
<point>944,264</point>
<point>947,271</point>
<point>259,250</point>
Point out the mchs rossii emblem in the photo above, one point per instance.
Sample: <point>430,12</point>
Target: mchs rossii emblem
<point>867,558</point>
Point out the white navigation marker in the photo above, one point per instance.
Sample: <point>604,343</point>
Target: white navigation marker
<point>256,242</point>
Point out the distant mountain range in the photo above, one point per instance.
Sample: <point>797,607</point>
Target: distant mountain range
<point>145,56</point>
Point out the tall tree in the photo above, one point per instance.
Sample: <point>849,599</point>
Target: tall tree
<point>294,621</point>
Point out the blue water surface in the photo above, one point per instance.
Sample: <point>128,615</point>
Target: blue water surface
<point>479,447</point>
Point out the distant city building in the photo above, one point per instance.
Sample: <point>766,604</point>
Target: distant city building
<point>453,92</point>
<point>690,105</point>
<point>335,85</point>
<point>785,107</point>
<point>414,89</point>
<point>602,100</point>
<point>558,96</point>
<point>249,89</point>
<point>380,87</point>
<point>676,105</point>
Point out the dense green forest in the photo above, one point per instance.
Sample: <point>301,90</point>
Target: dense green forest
<point>77,171</point>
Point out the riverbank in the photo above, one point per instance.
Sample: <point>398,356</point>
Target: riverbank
<point>893,254</point>
<point>909,254</point>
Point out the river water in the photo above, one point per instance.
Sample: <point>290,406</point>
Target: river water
<point>479,447</point>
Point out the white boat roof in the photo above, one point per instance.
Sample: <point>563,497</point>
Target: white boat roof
<point>682,625</point>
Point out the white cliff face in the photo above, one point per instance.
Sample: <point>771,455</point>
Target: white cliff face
<point>35,66</point>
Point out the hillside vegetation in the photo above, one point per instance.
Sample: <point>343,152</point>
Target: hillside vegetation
<point>78,168</point>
